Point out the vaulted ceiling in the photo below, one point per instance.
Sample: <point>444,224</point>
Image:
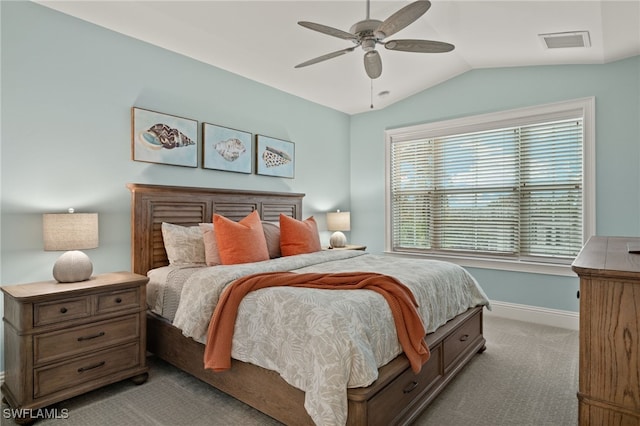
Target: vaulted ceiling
<point>262,41</point>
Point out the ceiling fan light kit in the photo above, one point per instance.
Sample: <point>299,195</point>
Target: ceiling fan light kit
<point>373,64</point>
<point>369,32</point>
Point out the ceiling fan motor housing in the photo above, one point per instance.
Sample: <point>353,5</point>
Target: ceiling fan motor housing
<point>366,26</point>
<point>364,31</point>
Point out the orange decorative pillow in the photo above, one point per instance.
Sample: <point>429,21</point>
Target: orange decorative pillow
<point>298,236</point>
<point>240,242</point>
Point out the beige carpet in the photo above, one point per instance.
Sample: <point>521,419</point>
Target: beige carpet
<point>527,376</point>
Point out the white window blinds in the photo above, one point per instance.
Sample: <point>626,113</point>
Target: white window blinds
<point>551,189</point>
<point>511,192</point>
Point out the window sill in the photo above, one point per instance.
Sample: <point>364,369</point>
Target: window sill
<point>498,264</point>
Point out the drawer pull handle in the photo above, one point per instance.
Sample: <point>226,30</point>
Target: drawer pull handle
<point>91,367</point>
<point>93,336</point>
<point>63,310</point>
<point>464,337</point>
<point>411,387</point>
<point>118,300</point>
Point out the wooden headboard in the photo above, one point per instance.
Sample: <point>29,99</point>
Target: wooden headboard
<point>153,204</point>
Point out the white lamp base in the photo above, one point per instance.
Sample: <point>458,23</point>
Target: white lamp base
<point>72,266</point>
<point>338,240</point>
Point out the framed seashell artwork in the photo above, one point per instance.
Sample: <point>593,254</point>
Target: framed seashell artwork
<point>163,138</point>
<point>275,157</point>
<point>226,149</point>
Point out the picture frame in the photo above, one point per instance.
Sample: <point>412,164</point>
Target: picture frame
<point>163,138</point>
<point>275,157</point>
<point>226,149</point>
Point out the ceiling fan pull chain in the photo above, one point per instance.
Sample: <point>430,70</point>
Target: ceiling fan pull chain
<point>371,93</point>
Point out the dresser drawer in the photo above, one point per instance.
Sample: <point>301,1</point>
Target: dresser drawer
<point>57,345</point>
<point>118,301</point>
<point>398,395</point>
<point>456,344</point>
<point>57,377</point>
<point>61,310</point>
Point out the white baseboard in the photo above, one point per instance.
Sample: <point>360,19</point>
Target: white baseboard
<point>535,314</point>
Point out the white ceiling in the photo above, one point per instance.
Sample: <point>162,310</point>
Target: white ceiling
<point>261,40</point>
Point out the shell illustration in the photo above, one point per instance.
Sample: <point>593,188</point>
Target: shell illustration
<point>274,157</point>
<point>162,136</point>
<point>231,149</point>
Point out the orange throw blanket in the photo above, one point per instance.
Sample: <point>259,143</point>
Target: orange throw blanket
<point>410,330</point>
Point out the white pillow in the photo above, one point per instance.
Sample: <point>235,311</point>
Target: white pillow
<point>211,254</point>
<point>272,235</point>
<point>184,244</point>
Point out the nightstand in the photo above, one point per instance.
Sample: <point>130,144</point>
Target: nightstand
<point>64,339</point>
<point>348,247</point>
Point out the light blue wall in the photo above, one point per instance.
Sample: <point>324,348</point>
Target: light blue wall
<point>616,87</point>
<point>67,90</point>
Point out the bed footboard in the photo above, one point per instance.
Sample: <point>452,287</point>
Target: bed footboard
<point>397,397</point>
<point>260,388</point>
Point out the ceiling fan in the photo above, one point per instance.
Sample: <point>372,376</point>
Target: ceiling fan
<point>370,32</point>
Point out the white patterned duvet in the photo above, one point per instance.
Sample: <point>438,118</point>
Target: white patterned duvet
<point>320,341</point>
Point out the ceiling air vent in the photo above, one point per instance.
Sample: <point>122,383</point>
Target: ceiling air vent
<point>568,39</point>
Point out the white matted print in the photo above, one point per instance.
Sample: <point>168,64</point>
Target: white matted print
<point>163,138</point>
<point>275,157</point>
<point>226,149</point>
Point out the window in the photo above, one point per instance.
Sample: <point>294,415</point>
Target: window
<point>514,187</point>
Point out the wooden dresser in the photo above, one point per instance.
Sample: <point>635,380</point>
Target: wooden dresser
<point>609,388</point>
<point>61,340</point>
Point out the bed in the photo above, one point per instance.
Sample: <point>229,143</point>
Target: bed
<point>396,396</point>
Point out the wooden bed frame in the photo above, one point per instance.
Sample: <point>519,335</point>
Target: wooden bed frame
<point>396,397</point>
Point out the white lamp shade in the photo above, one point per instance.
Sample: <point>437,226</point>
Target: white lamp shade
<point>73,232</point>
<point>339,221</point>
<point>70,231</point>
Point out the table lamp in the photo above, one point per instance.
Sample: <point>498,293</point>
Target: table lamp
<point>73,232</point>
<point>338,221</point>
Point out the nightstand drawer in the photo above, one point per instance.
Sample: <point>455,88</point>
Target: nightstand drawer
<point>57,345</point>
<point>118,301</point>
<point>51,379</point>
<point>61,310</point>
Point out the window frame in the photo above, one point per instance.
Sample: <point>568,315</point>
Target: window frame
<point>508,118</point>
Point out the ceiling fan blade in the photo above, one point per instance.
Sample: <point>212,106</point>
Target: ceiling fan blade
<point>420,46</point>
<point>325,57</point>
<point>373,64</point>
<point>328,30</point>
<point>402,18</point>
